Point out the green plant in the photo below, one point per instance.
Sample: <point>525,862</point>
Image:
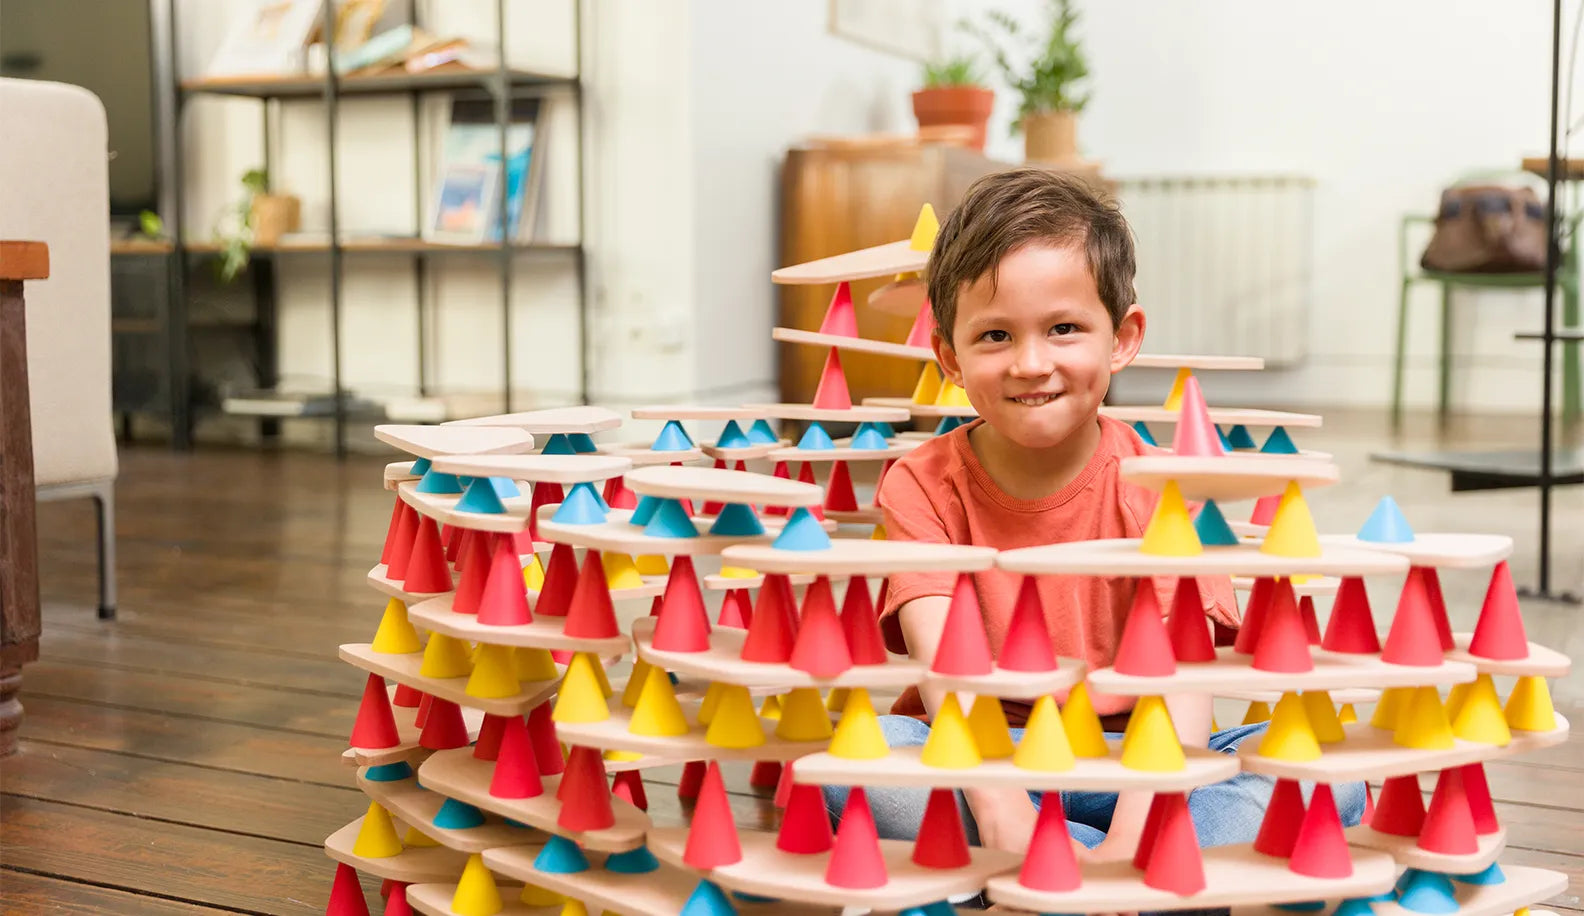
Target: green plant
<point>234,227</point>
<point>1056,69</point>
<point>150,224</point>
<point>960,70</point>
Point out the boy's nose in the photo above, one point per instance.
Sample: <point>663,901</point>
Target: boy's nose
<point>1032,360</point>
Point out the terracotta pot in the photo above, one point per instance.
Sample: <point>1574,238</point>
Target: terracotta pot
<point>275,215</point>
<point>1050,136</point>
<point>967,106</point>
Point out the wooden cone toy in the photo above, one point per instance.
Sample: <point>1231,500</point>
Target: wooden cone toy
<point>1044,746</point>
<point>839,495</point>
<point>855,859</point>
<point>1391,706</point>
<point>544,494</point>
<point>476,893</point>
<point>1174,397</point>
<point>396,904</point>
<point>1292,532</point>
<point>1084,733</point>
<point>1170,532</point>
<point>1413,639</point>
<point>942,843</point>
<point>475,573</point>
<point>377,837</point>
<point>534,664</point>
<point>1477,788</point>
<point>561,579</point>
<point>1027,646</point>
<point>1258,711</point>
<point>617,495</point>
<point>1311,622</point>
<point>684,622</point>
<point>1351,628</point>
<point>487,747</point>
<point>1290,735</point>
<point>964,648</point>
<point>773,630</point>
<point>692,779</point>
<point>1265,510</point>
<point>1145,649</point>
<point>1050,864</point>
<point>1278,832</point>
<point>580,699</point>
<point>923,327</point>
<point>766,774</point>
<point>858,735</point>
<point>657,712</point>
<point>1423,724</point>
<point>1479,717</point>
<point>821,647</point>
<point>1529,706</point>
<point>712,838</point>
<point>375,726</point>
<point>548,754</point>
<point>840,317</point>
<point>1254,614</point>
<point>736,610</point>
<point>805,825</point>
<point>516,773</point>
<point>591,615</point>
<point>424,702</point>
<point>712,695</point>
<point>928,385</point>
<point>1323,717</point>
<point>951,395</point>
<point>620,571</point>
<point>401,550</point>
<point>427,570</point>
<point>988,725</point>
<point>832,392</point>
<point>444,728</point>
<point>1400,810</point>
<point>1500,632</point>
<point>1438,608</point>
<point>735,723</point>
<point>1321,850</point>
<point>1196,435</point>
<point>346,894</point>
<point>950,744</point>
<point>803,717</point>
<point>1449,824</point>
<point>584,796</point>
<point>494,673</point>
<point>1187,627</point>
<point>1175,863</point>
<point>1150,741</point>
<point>396,635</point>
<point>628,786</point>
<point>1283,646</point>
<point>860,627</point>
<point>391,531</point>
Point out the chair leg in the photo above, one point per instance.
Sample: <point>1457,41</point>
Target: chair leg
<point>1402,346</point>
<point>104,504</point>
<point>1446,350</point>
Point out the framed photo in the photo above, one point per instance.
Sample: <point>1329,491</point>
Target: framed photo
<point>464,204</point>
<point>906,28</point>
<point>269,40</point>
<point>472,145</point>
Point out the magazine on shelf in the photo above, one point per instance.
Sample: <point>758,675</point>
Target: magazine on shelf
<point>469,181</point>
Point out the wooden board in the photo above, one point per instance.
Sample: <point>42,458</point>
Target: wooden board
<point>876,261</point>
<point>839,453</point>
<point>719,583</point>
<point>1405,849</point>
<point>416,807</point>
<point>460,775</point>
<point>391,588</point>
<point>548,422</point>
<point>1121,557</point>
<point>767,871</point>
<point>618,535</point>
<point>863,515</point>
<point>1316,585</point>
<point>414,864</point>
<point>1370,753</point>
<point>819,415</point>
<point>741,453</point>
<point>562,469</point>
<point>1233,875</point>
<point>1221,416</point>
<point>1015,684</point>
<point>1227,478</point>
<point>1338,697</point>
<point>853,344</point>
<point>407,749</point>
<point>723,485</point>
<point>613,734</point>
<point>679,412</point>
<point>430,441</point>
<point>863,557</point>
<point>404,670</point>
<point>1185,361</point>
<point>442,508</point>
<point>1542,661</point>
<point>1524,886</point>
<point>723,663</point>
<point>435,900</point>
<point>902,298</point>
<point>543,632</point>
<point>903,767</point>
<point>1233,671</point>
<point>930,411</point>
<point>643,454</point>
<point>1452,551</point>
<point>397,472</point>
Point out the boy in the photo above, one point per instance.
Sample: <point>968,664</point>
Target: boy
<point>1031,283</point>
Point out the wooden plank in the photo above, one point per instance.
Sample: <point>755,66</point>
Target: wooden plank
<point>1570,865</point>
<point>329,677</point>
<point>19,584</point>
<point>239,803</point>
<point>188,863</point>
<point>260,632</point>
<point>24,260</point>
<point>27,894</point>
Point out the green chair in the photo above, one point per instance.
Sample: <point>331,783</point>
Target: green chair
<point>1568,281</point>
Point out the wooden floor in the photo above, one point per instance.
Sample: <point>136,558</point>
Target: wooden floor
<point>185,758</point>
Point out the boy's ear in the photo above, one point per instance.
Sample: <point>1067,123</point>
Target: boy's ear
<point>946,357</point>
<point>1129,337</point>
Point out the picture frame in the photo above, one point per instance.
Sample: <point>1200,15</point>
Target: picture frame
<point>270,40</point>
<point>910,29</point>
<point>464,206</point>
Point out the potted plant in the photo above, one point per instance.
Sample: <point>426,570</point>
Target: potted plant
<point>954,96</point>
<point>259,219</point>
<point>1049,86</point>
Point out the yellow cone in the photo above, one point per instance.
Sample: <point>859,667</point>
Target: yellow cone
<point>534,665</point>
<point>803,717</point>
<point>1529,706</point>
<point>987,723</point>
<point>657,714</point>
<point>1323,717</point>
<point>879,532</point>
<point>950,395</point>
<point>396,635</point>
<point>1290,735</point>
<point>494,673</point>
<point>925,229</point>
<point>736,723</point>
<point>476,894</point>
<point>1346,715</point>
<point>599,674</point>
<point>1171,531</point>
<point>580,699</point>
<point>1044,746</point>
<point>738,572</point>
<point>1292,531</point>
<point>418,839</point>
<point>533,574</point>
<point>446,657</point>
<point>534,895</point>
<point>652,565</point>
<point>1423,724</point>
<point>712,695</point>
<point>1150,742</point>
<point>770,708</point>
<point>1480,717</point>
<point>620,571</point>
<point>1174,399</point>
<point>1390,707</point>
<point>635,682</point>
<point>858,735</point>
<point>836,700</point>
<point>950,744</point>
<point>928,386</point>
<point>574,907</point>
<point>1455,698</point>
<point>1084,732</point>
<point>377,838</point>
<point>1258,711</point>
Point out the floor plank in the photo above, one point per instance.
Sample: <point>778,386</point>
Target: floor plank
<point>30,893</point>
<point>309,674</point>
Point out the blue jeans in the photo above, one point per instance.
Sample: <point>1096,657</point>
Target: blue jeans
<point>1223,813</point>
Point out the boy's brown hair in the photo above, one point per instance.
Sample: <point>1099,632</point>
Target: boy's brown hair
<point>1004,211</point>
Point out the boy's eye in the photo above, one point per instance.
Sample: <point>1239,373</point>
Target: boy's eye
<point>995,337</point>
<point>1064,329</point>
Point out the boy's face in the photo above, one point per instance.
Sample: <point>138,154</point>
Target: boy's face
<point>1035,355</point>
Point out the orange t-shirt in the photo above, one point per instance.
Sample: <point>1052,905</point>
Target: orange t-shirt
<point>941,493</point>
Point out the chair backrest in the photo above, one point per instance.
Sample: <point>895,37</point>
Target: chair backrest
<point>54,188</point>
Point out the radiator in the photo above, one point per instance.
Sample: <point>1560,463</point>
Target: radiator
<point>1225,263</point>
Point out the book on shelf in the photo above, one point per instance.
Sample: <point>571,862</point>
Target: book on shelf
<point>466,196</point>
<point>270,39</point>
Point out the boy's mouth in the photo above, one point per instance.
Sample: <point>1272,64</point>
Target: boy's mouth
<point>1037,399</point>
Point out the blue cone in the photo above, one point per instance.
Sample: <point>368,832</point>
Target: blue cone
<point>645,510</point>
<point>760,433</point>
<point>737,520</point>
<point>518,824</point>
<point>732,437</point>
<point>802,532</point>
<point>751,898</point>
<point>1212,527</point>
<point>816,438</point>
<point>481,497</point>
<point>672,438</point>
<point>886,429</point>
<point>505,487</point>
<point>1358,906</point>
<point>436,482</point>
<point>1226,444</point>
<point>1428,892</point>
<point>455,815</point>
<point>869,436</point>
<point>389,772</point>
<point>1307,906</point>
<point>559,444</point>
<point>1144,433</point>
<point>670,522</point>
<point>940,908</point>
<point>1278,443</point>
<point>638,861</point>
<point>1491,875</point>
<point>582,443</point>
<point>947,424</point>
<point>560,856</point>
<point>707,900</point>
<point>420,467</point>
<point>1387,524</point>
<point>1240,438</point>
<point>580,507</point>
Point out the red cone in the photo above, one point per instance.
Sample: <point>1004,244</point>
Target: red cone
<point>840,318</point>
<point>471,541</point>
<point>860,626</point>
<point>1413,639</point>
<point>585,797</point>
<point>1449,824</point>
<point>504,602</point>
<point>855,859</point>
<point>923,326</point>
<point>964,648</point>
<point>1479,798</point>
<point>523,541</point>
<point>617,496</point>
<point>1254,616</point>
<point>628,786</point>
<point>444,728</point>
<point>547,750</point>
<point>1438,608</point>
<point>821,647</point>
<point>406,697</point>
<point>1196,435</point>
<point>1175,863</point>
<point>1351,628</point>
<point>1027,646</point>
<point>780,470</point>
<point>1279,830</point>
<point>401,550</point>
<point>783,789</point>
<point>544,494</point>
<point>1221,634</point>
<point>692,780</point>
<point>452,537</point>
<point>736,609</point>
<point>1283,646</point>
<point>561,575</point>
<point>1369,804</point>
<point>346,894</point>
<point>805,825</point>
<point>375,726</point>
<point>773,630</point>
<point>591,616</point>
<point>766,774</point>
<point>516,771</point>
<point>806,475</point>
<point>1311,623</point>
<point>1050,864</point>
<point>1400,810</point>
<point>475,573</point>
<point>396,903</point>
<point>942,842</point>
<point>1265,509</point>
<point>1187,627</point>
<point>1500,631</point>
<point>839,495</point>
<point>832,392</point>
<point>487,747</point>
<point>391,531</point>
<point>1321,850</point>
<point>425,701</point>
<point>712,837</point>
<point>684,623</point>
<point>427,570</point>
<point>1145,649</point>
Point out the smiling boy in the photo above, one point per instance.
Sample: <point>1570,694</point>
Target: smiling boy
<point>1031,283</point>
